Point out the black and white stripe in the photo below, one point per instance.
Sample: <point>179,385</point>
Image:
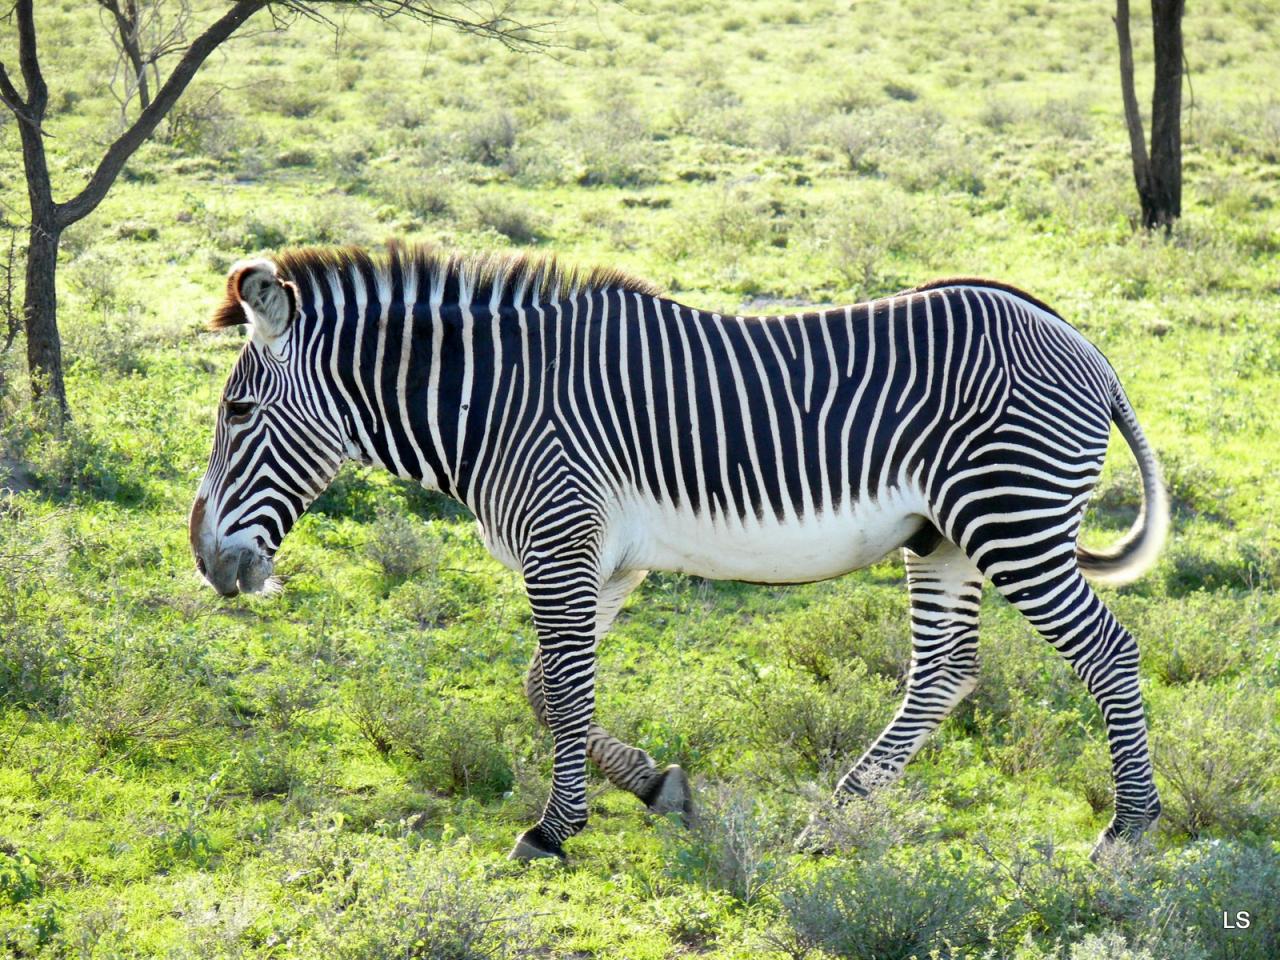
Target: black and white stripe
<point>598,430</point>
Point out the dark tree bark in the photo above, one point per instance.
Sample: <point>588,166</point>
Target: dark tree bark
<point>50,218</point>
<point>1157,173</point>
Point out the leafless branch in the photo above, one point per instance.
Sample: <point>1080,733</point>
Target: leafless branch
<point>113,161</point>
<point>9,310</point>
<point>1132,116</point>
<point>28,109</point>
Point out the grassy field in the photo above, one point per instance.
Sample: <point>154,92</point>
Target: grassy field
<point>338,771</point>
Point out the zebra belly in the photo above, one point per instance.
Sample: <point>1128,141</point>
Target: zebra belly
<point>654,537</point>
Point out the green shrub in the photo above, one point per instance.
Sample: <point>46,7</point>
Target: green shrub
<point>511,220</point>
<point>892,908</point>
<point>365,898</point>
<point>870,625</point>
<point>203,125</point>
<point>1202,638</point>
<point>490,138</point>
<point>788,129</point>
<point>857,137</point>
<point>1209,880</point>
<point>734,844</point>
<point>613,146</point>
<point>801,727</point>
<point>266,766</point>
<point>402,545</point>
<point>454,744</point>
<point>1034,735</point>
<point>1217,754</point>
<point>19,875</point>
<point>1110,945</point>
<point>134,703</point>
<point>869,827</point>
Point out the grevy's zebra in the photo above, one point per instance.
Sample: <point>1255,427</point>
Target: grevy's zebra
<point>598,430</point>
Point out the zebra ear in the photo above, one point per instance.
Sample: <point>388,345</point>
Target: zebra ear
<point>257,295</point>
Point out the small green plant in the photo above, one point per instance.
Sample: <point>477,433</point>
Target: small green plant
<point>401,545</point>
<point>19,875</point>
<point>1217,753</point>
<point>735,844</point>
<point>510,220</point>
<point>893,908</point>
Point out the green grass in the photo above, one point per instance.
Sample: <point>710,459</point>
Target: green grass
<point>340,770</point>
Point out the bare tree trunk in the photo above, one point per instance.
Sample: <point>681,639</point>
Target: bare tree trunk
<point>1165,182</point>
<point>40,312</point>
<point>44,346</point>
<point>1157,175</point>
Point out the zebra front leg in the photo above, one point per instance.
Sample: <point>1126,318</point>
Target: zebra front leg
<point>630,768</point>
<point>564,597</point>
<point>946,591</point>
<point>568,671</point>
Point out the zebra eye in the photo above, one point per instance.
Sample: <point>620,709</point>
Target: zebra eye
<point>239,409</point>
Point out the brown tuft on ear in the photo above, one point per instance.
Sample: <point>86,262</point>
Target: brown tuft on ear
<point>230,312</point>
<point>257,295</point>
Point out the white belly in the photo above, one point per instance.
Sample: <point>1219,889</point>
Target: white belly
<point>647,536</point>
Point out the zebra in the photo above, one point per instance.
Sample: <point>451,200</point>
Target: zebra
<point>598,430</point>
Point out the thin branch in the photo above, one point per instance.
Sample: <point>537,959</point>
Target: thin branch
<point>1132,117</point>
<point>37,92</point>
<point>128,30</point>
<point>12,99</point>
<point>12,315</point>
<point>114,160</point>
<point>492,22</point>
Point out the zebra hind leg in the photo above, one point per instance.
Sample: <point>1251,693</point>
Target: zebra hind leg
<point>1065,611</point>
<point>946,591</point>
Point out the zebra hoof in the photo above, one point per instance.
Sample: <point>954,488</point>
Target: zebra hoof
<point>532,845</point>
<point>673,795</point>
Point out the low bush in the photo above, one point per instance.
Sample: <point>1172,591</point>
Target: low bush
<point>402,545</point>
<point>901,906</point>
<point>870,625</point>
<point>267,766</point>
<point>428,904</point>
<point>135,703</point>
<point>613,146</point>
<point>490,138</point>
<point>870,237</point>
<point>735,844</point>
<point>509,219</point>
<point>454,744</point>
<point>1203,638</point>
<point>800,727</point>
<point>1217,754</point>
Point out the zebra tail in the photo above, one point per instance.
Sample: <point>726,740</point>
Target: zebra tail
<point>1138,551</point>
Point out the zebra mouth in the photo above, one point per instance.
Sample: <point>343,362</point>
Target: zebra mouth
<point>247,571</point>
<point>254,574</point>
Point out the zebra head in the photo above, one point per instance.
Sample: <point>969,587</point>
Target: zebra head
<point>277,444</point>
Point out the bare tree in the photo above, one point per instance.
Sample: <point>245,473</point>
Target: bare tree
<point>146,32</point>
<point>1157,173</point>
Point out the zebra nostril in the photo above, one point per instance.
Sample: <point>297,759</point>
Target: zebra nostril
<point>200,565</point>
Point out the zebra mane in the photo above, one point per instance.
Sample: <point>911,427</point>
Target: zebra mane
<point>532,278</point>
